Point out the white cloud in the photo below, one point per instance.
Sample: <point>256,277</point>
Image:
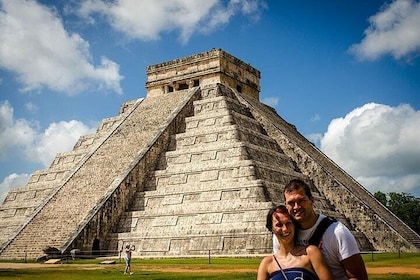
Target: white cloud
<point>58,137</point>
<point>12,181</point>
<point>14,133</point>
<point>38,49</point>
<point>378,145</point>
<point>270,101</point>
<point>27,141</point>
<point>394,30</point>
<point>147,20</point>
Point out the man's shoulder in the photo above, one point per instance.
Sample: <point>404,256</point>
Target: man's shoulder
<point>322,224</point>
<point>339,235</point>
<point>337,227</point>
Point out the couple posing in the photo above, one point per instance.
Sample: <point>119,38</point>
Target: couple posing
<point>308,246</point>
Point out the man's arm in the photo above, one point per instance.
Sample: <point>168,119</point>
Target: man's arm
<point>355,267</point>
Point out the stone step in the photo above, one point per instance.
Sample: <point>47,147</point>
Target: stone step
<point>222,134</point>
<point>248,169</point>
<point>215,153</point>
<point>199,207</point>
<point>26,197</point>
<point>17,207</point>
<point>188,228</point>
<point>219,104</point>
<point>202,244</point>
<point>221,118</point>
<point>193,188</point>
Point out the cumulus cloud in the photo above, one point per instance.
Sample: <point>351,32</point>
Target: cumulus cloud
<point>32,144</point>
<point>377,145</point>
<point>10,182</point>
<point>37,48</point>
<point>58,137</point>
<point>394,30</point>
<point>147,20</point>
<point>14,132</point>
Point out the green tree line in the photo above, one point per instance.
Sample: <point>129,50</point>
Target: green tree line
<point>405,206</point>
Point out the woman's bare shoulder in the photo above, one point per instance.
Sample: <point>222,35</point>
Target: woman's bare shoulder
<point>268,259</point>
<point>312,250</point>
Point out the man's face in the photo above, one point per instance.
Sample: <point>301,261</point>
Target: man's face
<point>299,205</point>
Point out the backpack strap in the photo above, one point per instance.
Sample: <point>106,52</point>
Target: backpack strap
<point>320,230</point>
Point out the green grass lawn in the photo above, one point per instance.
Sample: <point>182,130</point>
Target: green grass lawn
<point>393,260</point>
<point>197,268</point>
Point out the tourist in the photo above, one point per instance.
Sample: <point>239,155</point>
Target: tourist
<point>291,261</point>
<point>336,242</point>
<point>127,257</point>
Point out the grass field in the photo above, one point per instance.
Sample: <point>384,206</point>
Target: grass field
<point>383,266</point>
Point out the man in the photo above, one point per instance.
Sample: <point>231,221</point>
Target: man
<point>337,244</point>
<point>127,257</point>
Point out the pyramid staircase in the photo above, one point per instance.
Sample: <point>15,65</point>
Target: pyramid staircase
<point>212,189</point>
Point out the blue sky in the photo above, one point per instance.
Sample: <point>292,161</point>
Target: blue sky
<point>345,73</point>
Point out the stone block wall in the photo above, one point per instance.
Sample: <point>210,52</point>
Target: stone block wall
<point>105,217</point>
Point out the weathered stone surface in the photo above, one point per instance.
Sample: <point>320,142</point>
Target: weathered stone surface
<point>189,169</point>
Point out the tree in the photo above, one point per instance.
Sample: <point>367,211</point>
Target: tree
<point>404,206</point>
<point>381,197</point>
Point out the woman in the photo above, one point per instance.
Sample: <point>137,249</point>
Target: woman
<point>292,261</point>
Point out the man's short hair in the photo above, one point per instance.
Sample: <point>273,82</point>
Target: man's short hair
<point>297,184</point>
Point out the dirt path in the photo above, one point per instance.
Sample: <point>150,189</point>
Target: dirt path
<point>395,270</point>
<point>371,270</point>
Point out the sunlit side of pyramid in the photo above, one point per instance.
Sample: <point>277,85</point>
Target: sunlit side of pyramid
<point>190,169</point>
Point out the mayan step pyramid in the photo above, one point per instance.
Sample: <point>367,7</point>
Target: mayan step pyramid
<point>190,169</point>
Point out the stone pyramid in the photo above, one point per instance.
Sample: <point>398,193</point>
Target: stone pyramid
<point>189,170</point>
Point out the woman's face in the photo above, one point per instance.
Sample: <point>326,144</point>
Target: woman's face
<point>283,227</point>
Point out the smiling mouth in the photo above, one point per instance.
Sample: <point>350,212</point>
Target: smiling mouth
<point>298,213</point>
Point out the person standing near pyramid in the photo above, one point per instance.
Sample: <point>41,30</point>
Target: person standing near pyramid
<point>127,257</point>
<point>334,239</point>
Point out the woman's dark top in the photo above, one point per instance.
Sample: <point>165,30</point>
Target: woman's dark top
<point>294,273</point>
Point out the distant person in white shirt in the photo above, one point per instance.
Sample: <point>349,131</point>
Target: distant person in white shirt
<point>127,257</point>
<point>335,240</point>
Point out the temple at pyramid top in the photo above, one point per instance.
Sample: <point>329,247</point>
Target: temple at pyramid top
<point>214,66</point>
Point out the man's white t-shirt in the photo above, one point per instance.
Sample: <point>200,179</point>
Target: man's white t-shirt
<point>336,244</point>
